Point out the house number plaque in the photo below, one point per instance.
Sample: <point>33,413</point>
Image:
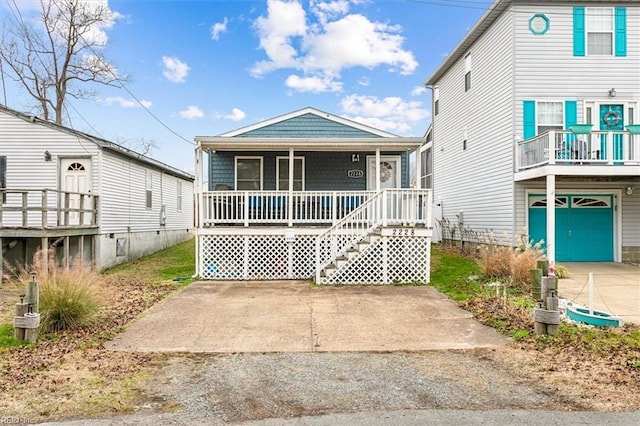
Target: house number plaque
<point>355,174</point>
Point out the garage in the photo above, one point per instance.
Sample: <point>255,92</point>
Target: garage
<point>584,226</point>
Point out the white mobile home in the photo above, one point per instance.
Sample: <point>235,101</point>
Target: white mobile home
<point>95,201</point>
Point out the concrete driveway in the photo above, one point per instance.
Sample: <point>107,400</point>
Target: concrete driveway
<point>617,288</point>
<point>292,316</point>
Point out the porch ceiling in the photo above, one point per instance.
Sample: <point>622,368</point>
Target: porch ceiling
<point>308,144</point>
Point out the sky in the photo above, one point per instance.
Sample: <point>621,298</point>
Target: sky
<point>206,67</point>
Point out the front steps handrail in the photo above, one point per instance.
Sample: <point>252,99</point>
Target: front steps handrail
<point>348,230</point>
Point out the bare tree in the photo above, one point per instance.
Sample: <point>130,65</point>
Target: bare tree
<point>144,146</point>
<point>60,54</point>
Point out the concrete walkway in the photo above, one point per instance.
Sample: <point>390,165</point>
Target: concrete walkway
<point>290,316</point>
<point>617,288</point>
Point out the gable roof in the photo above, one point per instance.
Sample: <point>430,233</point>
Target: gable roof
<point>308,129</point>
<point>100,142</point>
<point>308,123</point>
<point>487,19</point>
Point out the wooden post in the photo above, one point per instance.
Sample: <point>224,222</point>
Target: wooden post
<point>544,266</point>
<point>33,293</point>
<point>536,281</point>
<point>21,309</point>
<point>547,316</point>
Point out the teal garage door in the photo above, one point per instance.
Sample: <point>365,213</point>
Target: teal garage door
<point>584,226</point>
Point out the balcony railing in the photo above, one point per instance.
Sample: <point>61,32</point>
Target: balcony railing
<point>567,148</point>
<point>303,207</point>
<point>47,209</point>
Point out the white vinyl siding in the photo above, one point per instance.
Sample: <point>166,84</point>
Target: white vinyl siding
<point>478,180</point>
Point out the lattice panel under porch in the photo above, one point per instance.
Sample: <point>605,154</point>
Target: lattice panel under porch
<point>222,257</point>
<point>407,260</point>
<point>304,261</point>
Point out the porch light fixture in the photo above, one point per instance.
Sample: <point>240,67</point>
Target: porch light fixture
<point>47,156</point>
<point>355,158</point>
<point>629,190</point>
<point>612,93</point>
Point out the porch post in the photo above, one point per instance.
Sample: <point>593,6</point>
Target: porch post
<point>197,204</point>
<point>551,219</point>
<point>290,203</point>
<point>377,169</point>
<point>418,168</point>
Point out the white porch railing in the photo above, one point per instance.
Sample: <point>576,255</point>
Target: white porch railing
<point>47,208</point>
<point>565,147</point>
<point>408,207</point>
<point>279,207</point>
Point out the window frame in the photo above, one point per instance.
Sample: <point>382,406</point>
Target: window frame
<point>467,72</point>
<point>589,13</point>
<point>179,196</point>
<point>303,180</point>
<point>148,186</point>
<point>235,170</point>
<point>549,126</point>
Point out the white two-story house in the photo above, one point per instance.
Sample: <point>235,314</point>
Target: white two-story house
<point>541,101</point>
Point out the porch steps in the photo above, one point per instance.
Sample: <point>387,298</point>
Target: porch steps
<point>351,253</point>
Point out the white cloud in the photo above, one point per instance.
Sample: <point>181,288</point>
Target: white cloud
<point>191,113</point>
<point>313,84</point>
<point>418,90</point>
<point>364,81</point>
<point>125,103</point>
<point>218,28</point>
<point>174,69</point>
<point>392,114</point>
<point>236,115</point>
<point>321,50</point>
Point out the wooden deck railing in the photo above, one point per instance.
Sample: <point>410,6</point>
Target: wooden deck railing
<point>47,209</point>
<point>567,148</point>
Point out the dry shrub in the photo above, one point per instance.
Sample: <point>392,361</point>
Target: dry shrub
<point>69,297</point>
<point>512,264</point>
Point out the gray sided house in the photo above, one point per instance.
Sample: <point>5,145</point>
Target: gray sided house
<point>310,195</point>
<point>90,200</point>
<point>536,128</point>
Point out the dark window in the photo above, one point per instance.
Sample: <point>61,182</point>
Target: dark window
<point>467,81</point>
<point>464,145</point>
<point>436,107</point>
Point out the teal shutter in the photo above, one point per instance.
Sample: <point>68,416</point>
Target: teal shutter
<point>529,115</point>
<point>570,113</point>
<point>578,31</point>
<point>621,31</point>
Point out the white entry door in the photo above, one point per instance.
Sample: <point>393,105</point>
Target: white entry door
<point>390,173</point>
<point>75,177</point>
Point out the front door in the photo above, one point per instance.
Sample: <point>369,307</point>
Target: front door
<point>75,177</point>
<point>612,120</point>
<point>390,173</point>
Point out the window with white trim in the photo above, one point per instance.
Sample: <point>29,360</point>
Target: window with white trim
<point>282,173</point>
<point>248,173</point>
<point>148,189</point>
<point>600,30</point>
<point>467,72</point>
<point>550,116</point>
<point>179,197</point>
<point>436,100</point>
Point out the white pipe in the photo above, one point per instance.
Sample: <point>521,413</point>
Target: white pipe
<point>590,293</point>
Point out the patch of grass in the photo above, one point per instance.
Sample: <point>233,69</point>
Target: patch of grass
<point>173,263</point>
<point>454,275</point>
<point>6,337</point>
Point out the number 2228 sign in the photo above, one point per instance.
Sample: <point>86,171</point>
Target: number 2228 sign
<point>355,173</point>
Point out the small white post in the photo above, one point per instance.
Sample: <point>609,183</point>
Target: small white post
<point>590,293</point>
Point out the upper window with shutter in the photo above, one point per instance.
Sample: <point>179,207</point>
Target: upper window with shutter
<point>599,31</point>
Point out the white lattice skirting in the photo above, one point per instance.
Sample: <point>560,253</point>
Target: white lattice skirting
<point>391,259</point>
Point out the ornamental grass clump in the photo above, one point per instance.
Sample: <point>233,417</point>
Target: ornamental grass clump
<point>69,297</point>
<point>512,264</point>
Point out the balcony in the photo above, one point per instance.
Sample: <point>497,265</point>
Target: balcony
<point>566,153</point>
<point>24,212</point>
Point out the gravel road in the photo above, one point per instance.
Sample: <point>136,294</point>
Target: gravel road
<point>254,388</point>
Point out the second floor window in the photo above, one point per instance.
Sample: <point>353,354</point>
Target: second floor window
<point>600,31</point>
<point>467,72</point>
